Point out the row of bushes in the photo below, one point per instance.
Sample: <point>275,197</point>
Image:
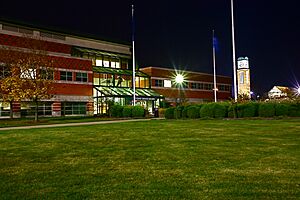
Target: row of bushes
<point>225,109</point>
<point>126,111</point>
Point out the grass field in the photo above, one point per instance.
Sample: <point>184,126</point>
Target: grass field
<point>158,159</point>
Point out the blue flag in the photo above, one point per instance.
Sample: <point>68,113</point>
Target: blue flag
<point>216,43</point>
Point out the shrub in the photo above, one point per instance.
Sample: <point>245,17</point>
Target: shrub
<point>178,112</point>
<point>127,111</point>
<point>193,112</point>
<point>249,109</point>
<point>138,111</point>
<point>220,110</point>
<point>294,110</point>
<point>116,111</point>
<point>161,112</point>
<point>282,109</point>
<point>266,110</point>
<point>207,110</point>
<point>169,114</point>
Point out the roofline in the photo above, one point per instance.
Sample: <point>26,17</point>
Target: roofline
<point>36,28</point>
<point>168,69</point>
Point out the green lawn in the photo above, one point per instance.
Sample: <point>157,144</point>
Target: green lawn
<point>158,159</point>
<point>48,120</point>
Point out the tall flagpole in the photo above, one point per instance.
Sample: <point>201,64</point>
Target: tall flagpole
<point>133,56</point>
<point>233,53</point>
<point>214,65</point>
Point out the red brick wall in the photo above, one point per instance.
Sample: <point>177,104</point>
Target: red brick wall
<point>16,41</point>
<point>72,89</point>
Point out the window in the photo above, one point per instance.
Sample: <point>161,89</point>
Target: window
<point>167,83</point>
<point>46,74</point>
<point>4,71</point>
<point>242,77</point>
<point>99,62</point>
<point>74,108</point>
<point>66,76</point>
<point>81,77</point>
<point>194,85</point>
<point>106,62</point>
<point>159,83</point>
<point>28,73</point>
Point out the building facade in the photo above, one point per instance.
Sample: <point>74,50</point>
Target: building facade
<point>89,74</point>
<point>195,88</point>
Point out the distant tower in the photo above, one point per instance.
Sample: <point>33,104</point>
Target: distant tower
<point>243,76</point>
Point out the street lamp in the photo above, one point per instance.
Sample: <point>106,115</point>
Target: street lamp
<point>179,79</point>
<point>298,90</point>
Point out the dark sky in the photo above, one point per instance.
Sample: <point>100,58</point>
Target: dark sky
<point>179,33</point>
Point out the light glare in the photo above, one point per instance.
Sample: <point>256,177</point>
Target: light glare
<point>179,78</point>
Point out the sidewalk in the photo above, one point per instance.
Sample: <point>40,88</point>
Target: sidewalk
<point>72,124</point>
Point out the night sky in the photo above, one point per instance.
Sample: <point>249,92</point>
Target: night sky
<point>178,34</point>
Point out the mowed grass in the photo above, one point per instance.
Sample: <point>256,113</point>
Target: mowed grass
<point>158,159</point>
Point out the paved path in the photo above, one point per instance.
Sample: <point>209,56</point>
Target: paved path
<point>72,124</point>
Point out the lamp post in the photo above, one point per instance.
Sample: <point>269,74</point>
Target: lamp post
<point>179,81</point>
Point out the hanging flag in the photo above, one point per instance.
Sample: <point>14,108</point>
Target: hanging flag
<point>216,43</point>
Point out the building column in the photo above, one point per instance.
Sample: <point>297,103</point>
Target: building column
<point>56,109</point>
<point>90,108</point>
<point>16,108</point>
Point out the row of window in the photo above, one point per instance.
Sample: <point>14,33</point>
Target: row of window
<point>103,60</point>
<point>102,79</point>
<point>68,76</point>
<point>192,85</point>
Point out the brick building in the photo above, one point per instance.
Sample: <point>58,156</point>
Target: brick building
<point>88,74</point>
<point>196,87</point>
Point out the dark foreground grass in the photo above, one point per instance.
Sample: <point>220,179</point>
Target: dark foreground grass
<point>188,159</point>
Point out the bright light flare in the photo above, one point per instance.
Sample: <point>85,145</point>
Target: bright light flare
<point>298,90</point>
<point>179,79</point>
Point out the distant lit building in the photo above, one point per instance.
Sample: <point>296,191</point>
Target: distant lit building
<point>196,87</point>
<point>279,92</point>
<point>243,76</point>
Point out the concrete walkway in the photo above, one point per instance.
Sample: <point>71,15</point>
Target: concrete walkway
<point>72,124</point>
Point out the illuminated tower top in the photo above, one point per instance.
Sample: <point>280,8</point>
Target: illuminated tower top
<point>243,63</point>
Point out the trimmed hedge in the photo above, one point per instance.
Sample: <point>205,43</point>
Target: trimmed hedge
<point>169,114</point>
<point>178,112</point>
<point>116,111</point>
<point>282,109</point>
<point>294,110</point>
<point>249,109</point>
<point>193,112</point>
<point>127,111</point>
<point>214,110</point>
<point>138,111</point>
<point>266,110</point>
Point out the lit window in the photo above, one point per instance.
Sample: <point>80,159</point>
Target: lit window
<point>167,83</point>
<point>106,63</point>
<point>28,73</point>
<point>98,62</point>
<point>242,78</point>
<point>113,64</point>
<point>117,64</point>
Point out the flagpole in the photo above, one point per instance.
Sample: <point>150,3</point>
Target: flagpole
<point>133,56</point>
<point>214,65</point>
<point>233,54</point>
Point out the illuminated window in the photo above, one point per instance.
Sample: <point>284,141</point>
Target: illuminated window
<point>242,77</point>
<point>28,73</point>
<point>99,62</point>
<point>167,83</point>
<point>106,62</point>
